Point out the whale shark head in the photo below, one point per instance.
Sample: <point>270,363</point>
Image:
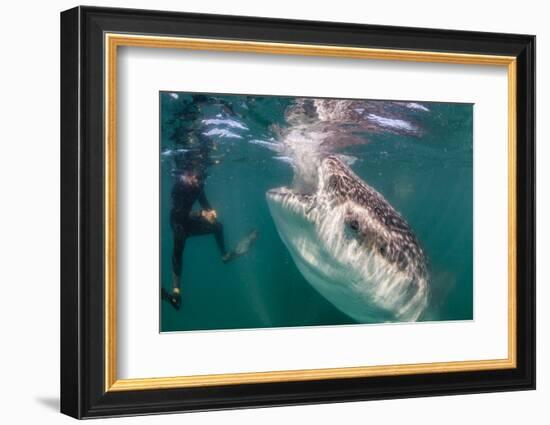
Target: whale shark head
<point>352,246</point>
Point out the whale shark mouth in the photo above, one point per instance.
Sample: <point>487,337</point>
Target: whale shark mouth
<point>299,203</point>
<point>352,246</point>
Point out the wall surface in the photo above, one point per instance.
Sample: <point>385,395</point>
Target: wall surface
<point>29,225</point>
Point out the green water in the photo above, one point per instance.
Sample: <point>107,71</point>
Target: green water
<point>428,179</point>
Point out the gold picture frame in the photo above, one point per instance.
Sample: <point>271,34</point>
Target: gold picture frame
<point>114,41</point>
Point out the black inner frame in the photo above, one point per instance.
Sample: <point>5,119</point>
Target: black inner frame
<point>82,212</point>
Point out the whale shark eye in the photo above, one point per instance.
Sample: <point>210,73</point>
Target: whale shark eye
<point>352,228</point>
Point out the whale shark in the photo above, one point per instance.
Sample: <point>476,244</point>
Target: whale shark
<point>351,245</point>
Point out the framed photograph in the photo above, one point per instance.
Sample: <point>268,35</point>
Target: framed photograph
<point>261,212</point>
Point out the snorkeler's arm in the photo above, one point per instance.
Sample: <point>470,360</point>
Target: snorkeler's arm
<point>207,212</point>
<point>203,201</point>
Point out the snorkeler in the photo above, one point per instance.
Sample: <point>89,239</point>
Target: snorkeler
<point>185,223</point>
<point>188,188</point>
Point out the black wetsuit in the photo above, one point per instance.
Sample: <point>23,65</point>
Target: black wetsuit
<point>186,223</point>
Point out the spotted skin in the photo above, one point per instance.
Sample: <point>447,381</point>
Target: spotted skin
<point>381,226</point>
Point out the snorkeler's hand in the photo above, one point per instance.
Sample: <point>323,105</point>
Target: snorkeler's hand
<point>210,215</point>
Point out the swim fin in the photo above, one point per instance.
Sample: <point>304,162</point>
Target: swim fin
<point>173,299</point>
<point>246,243</point>
<point>243,246</point>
